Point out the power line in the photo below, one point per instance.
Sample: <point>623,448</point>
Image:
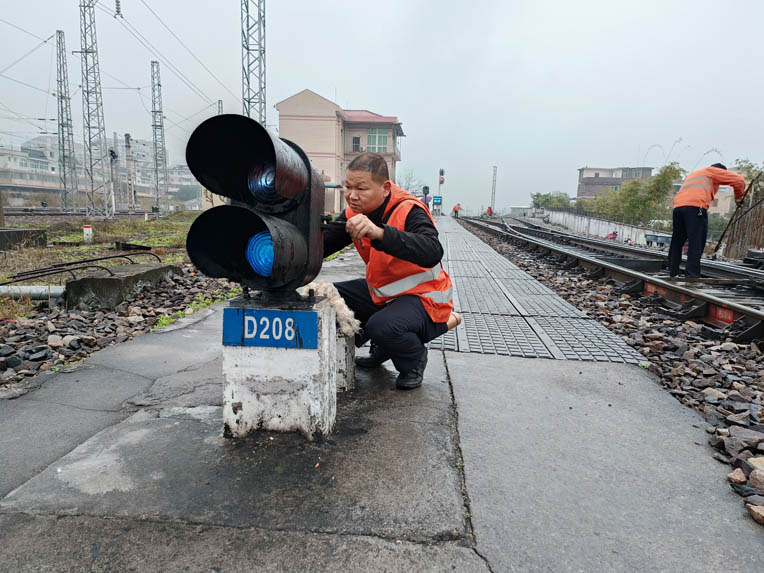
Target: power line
<point>30,52</point>
<point>133,31</point>
<point>28,85</point>
<point>174,35</point>
<point>21,29</point>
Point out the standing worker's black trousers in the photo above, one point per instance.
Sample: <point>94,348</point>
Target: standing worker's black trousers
<point>400,328</point>
<point>691,225</point>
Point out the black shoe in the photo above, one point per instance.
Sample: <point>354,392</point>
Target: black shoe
<point>413,378</point>
<point>375,358</point>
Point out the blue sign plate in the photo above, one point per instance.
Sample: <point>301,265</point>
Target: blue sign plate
<point>274,328</point>
<point>437,200</point>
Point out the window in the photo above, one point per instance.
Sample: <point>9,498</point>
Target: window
<point>23,162</point>
<point>376,140</point>
<point>596,174</point>
<point>356,144</point>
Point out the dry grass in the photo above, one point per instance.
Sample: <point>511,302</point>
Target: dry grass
<point>167,238</point>
<point>12,308</point>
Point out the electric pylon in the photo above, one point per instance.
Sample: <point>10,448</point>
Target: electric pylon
<point>160,151</point>
<point>129,171</point>
<point>253,59</point>
<point>67,169</point>
<point>94,132</point>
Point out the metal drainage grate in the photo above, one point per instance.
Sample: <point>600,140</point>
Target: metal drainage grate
<point>467,269</point>
<point>546,305</point>
<point>584,339</point>
<point>445,342</point>
<point>508,335</point>
<point>481,295</point>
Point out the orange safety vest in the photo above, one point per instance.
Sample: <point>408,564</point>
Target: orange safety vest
<point>389,277</point>
<point>701,186</point>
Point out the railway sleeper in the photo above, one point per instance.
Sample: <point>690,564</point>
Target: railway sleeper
<point>744,329</point>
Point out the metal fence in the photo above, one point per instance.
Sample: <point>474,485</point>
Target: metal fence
<point>746,232</point>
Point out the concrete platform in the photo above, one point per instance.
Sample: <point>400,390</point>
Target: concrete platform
<point>497,463</point>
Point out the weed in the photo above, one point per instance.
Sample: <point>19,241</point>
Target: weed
<point>12,308</point>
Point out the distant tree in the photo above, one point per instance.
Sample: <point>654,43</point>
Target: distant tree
<point>188,192</point>
<point>551,200</point>
<point>408,182</point>
<point>638,201</point>
<point>750,170</point>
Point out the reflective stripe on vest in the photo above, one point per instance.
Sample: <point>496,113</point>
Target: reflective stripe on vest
<point>689,183</point>
<point>439,296</point>
<point>407,283</point>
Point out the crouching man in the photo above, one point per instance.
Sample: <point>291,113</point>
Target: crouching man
<point>405,299</point>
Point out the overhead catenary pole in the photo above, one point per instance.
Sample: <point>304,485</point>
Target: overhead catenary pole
<point>220,107</point>
<point>129,173</point>
<point>493,190</point>
<point>67,170</point>
<point>253,59</point>
<point>160,150</point>
<point>115,178</point>
<point>94,132</point>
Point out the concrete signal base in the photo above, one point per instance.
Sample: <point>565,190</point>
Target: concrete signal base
<point>283,389</point>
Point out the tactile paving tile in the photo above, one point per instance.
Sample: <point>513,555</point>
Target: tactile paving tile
<point>482,295</point>
<point>584,339</point>
<point>445,342</point>
<point>514,274</point>
<point>508,335</point>
<point>467,269</point>
<point>526,287</point>
<point>495,261</point>
<point>547,305</point>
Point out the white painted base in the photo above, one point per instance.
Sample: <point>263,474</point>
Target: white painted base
<point>345,363</point>
<point>282,389</point>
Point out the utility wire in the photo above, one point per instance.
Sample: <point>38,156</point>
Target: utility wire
<point>21,29</point>
<point>133,31</point>
<point>53,94</point>
<point>37,47</point>
<point>21,117</point>
<point>174,35</point>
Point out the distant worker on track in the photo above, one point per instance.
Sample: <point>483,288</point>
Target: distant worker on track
<point>489,212</point>
<point>456,209</point>
<point>406,298</point>
<point>691,214</point>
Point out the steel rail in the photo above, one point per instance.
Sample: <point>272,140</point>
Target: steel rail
<point>740,309</point>
<point>48,272</point>
<point>82,261</point>
<point>718,269</point>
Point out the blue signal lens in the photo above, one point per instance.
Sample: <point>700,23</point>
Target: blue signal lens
<point>261,182</point>
<point>260,253</point>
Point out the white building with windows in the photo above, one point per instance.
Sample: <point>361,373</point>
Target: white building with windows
<point>332,137</point>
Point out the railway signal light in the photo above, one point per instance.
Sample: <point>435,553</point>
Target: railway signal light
<point>425,190</point>
<point>269,238</point>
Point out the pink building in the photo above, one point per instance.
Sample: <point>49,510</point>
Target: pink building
<point>332,137</point>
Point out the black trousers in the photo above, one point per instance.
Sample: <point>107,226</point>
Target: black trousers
<point>400,328</point>
<point>691,225</point>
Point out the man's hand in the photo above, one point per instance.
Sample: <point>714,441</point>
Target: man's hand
<point>361,226</point>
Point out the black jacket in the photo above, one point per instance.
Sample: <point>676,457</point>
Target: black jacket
<point>418,243</point>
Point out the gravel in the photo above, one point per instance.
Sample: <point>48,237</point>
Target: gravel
<point>50,339</point>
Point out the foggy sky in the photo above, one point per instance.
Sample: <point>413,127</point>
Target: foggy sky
<point>538,88</point>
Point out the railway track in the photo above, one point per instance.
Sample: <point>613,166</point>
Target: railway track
<point>730,300</point>
<point>39,212</point>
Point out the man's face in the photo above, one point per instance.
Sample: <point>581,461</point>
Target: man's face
<point>362,193</point>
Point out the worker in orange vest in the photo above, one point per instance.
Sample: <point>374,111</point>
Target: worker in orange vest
<point>406,298</point>
<point>691,214</point>
<point>456,209</point>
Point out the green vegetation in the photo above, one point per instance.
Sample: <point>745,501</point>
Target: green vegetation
<point>638,202</point>
<point>551,200</point>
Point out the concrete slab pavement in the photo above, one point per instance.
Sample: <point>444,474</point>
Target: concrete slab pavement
<point>575,466</point>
